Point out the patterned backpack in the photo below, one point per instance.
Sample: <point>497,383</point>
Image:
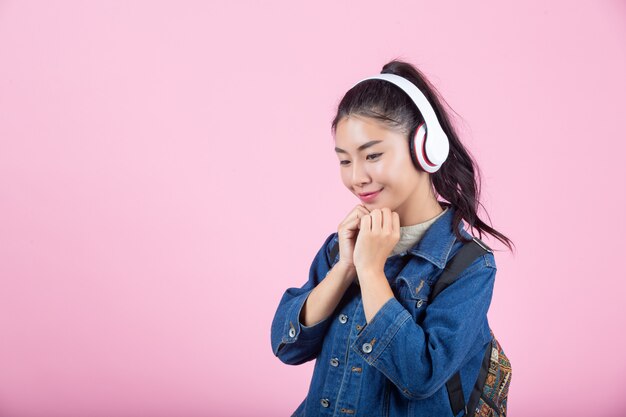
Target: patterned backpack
<point>489,394</point>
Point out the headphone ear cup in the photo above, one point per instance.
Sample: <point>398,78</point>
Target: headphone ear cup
<point>424,146</point>
<point>416,146</point>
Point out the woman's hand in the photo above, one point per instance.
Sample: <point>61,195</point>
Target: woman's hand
<point>379,232</point>
<point>347,232</point>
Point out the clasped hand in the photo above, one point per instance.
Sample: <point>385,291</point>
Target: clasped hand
<point>379,232</point>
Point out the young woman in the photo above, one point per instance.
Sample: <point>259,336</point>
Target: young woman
<point>381,347</point>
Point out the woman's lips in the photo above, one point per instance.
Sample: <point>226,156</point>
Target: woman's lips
<point>370,197</point>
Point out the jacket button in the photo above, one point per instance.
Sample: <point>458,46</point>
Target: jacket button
<point>334,362</point>
<point>343,319</point>
<point>292,332</point>
<point>419,303</point>
<point>367,348</point>
<point>325,402</point>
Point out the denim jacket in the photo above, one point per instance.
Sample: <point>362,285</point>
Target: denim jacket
<point>398,364</point>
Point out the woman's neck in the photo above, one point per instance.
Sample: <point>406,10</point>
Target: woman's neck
<point>419,211</point>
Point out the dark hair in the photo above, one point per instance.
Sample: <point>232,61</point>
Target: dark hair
<point>455,181</point>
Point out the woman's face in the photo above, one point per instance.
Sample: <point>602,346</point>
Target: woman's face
<point>382,164</point>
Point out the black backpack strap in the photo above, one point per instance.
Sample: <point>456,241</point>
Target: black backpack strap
<point>480,382</point>
<point>461,260</point>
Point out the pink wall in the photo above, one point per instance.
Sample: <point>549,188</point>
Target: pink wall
<point>166,172</point>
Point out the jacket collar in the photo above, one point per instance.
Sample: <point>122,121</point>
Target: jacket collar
<point>436,243</point>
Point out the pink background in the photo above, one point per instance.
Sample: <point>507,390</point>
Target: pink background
<point>166,172</point>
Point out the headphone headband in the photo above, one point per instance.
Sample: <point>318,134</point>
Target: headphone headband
<point>437,145</point>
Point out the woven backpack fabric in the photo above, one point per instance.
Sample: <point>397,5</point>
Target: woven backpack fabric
<point>495,389</point>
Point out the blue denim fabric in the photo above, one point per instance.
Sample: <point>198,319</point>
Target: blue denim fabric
<point>416,346</point>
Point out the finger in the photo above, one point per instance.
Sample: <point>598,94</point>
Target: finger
<point>386,215</point>
<point>354,223</point>
<point>358,211</point>
<point>366,223</point>
<point>376,220</point>
<point>361,210</point>
<point>350,224</point>
<point>396,222</point>
<point>357,216</point>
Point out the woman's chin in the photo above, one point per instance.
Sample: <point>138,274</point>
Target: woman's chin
<point>376,205</point>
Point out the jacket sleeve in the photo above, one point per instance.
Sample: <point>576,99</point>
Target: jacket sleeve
<point>419,359</point>
<point>292,342</point>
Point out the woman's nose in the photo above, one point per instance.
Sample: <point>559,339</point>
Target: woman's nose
<point>359,175</point>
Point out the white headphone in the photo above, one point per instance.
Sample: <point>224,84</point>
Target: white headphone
<point>430,146</point>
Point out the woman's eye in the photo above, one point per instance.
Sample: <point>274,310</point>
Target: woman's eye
<point>372,155</point>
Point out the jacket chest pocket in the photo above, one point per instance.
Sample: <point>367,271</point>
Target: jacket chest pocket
<point>413,295</point>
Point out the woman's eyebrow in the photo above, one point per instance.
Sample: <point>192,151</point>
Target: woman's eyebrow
<point>360,148</point>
